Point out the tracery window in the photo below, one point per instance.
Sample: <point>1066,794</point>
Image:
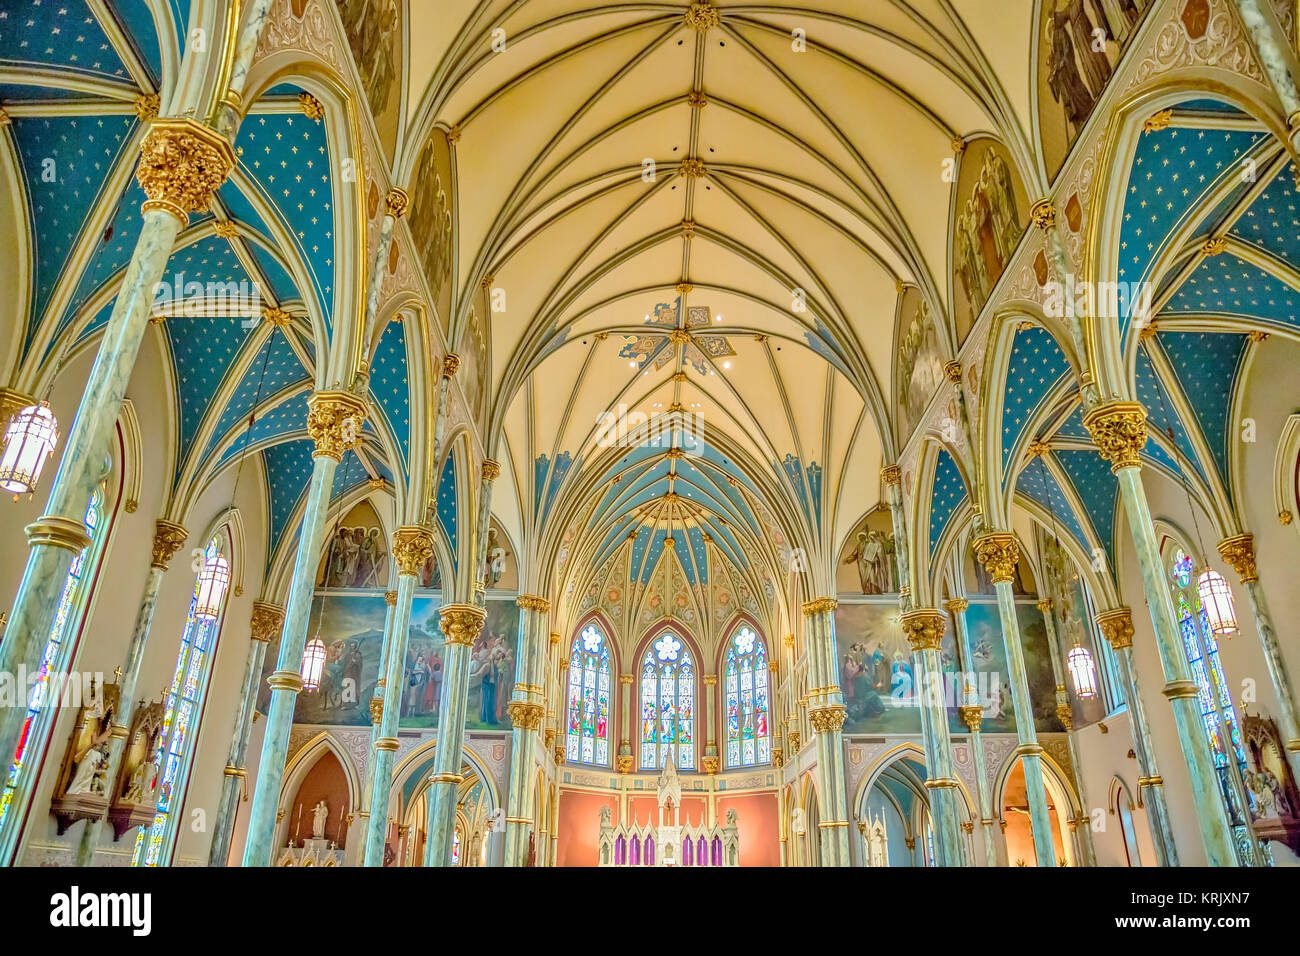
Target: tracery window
<point>587,737</point>
<point>55,660</point>
<point>667,704</point>
<point>745,689</point>
<point>184,705</point>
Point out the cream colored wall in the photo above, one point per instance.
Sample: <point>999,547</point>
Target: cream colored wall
<point>1105,756</point>
<point>111,617</point>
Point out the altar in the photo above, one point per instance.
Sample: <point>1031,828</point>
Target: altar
<point>668,843</point>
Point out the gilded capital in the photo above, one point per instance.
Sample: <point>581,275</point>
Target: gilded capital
<point>266,622</point>
<point>709,764</point>
<point>1119,430</point>
<point>891,474</point>
<point>1043,213</point>
<point>1239,551</point>
<point>778,758</point>
<point>450,363</point>
<point>956,605</point>
<point>788,641</point>
<point>531,602</point>
<point>819,606</point>
<point>390,598</point>
<point>1045,605</point>
<point>559,753</point>
<point>412,548</point>
<point>952,371</point>
<point>461,623</point>
<point>168,536</point>
<point>182,163</point>
<point>524,715</point>
<point>334,421</point>
<point>396,202</point>
<point>1116,626</point>
<point>827,720</point>
<point>623,763</point>
<point>923,628</point>
<point>491,470</point>
<point>626,679</point>
<point>999,553</point>
<point>1065,714</point>
<point>710,680</point>
<point>971,715</point>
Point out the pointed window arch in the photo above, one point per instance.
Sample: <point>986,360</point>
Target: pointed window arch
<point>667,704</point>
<point>587,735</point>
<point>746,700</point>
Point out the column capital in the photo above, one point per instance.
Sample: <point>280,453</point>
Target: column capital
<point>491,469</point>
<point>819,606</point>
<point>450,363</point>
<point>788,641</point>
<point>972,715</point>
<point>828,719</point>
<point>168,536</point>
<point>710,680</point>
<point>709,765</point>
<point>623,763</point>
<point>461,623</point>
<point>1116,626</point>
<point>1119,430</point>
<point>891,475</point>
<point>334,421</point>
<point>1065,714</point>
<point>1044,605</point>
<point>412,548</point>
<point>923,628</point>
<point>999,553</point>
<point>390,598</point>
<point>626,679</point>
<point>266,622</point>
<point>532,602</point>
<point>1239,552</point>
<point>524,715</point>
<point>55,531</point>
<point>1043,213</point>
<point>396,202</point>
<point>956,605</point>
<point>182,163</point>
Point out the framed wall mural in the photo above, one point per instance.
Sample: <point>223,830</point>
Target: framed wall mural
<point>990,214</point>
<point>1079,46</point>
<point>356,555</point>
<point>430,220</point>
<point>919,361</point>
<point>868,564</point>
<point>374,32</point>
<point>989,661</point>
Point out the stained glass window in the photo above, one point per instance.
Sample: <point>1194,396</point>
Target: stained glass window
<point>184,705</point>
<point>55,659</point>
<point>667,704</point>
<point>455,847</point>
<point>745,692</point>
<point>587,737</point>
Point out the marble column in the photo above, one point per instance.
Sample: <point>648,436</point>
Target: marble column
<point>491,472</point>
<point>265,626</point>
<point>1116,626</point>
<point>412,548</point>
<point>1275,59</point>
<point>168,537</point>
<point>377,701</point>
<point>334,421</point>
<point>971,711</point>
<point>461,626</point>
<point>626,762</point>
<point>891,477</point>
<point>1081,825</point>
<point>999,553</point>
<point>826,712</point>
<point>1118,430</point>
<point>181,165</point>
<point>526,707</point>
<point>560,740</point>
<point>395,206</point>
<point>923,628</point>
<point>710,763</point>
<point>1239,552</point>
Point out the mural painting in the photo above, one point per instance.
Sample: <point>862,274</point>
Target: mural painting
<point>1073,621</point>
<point>374,31</point>
<point>869,564</point>
<point>430,220</point>
<point>920,359</point>
<point>989,661</point>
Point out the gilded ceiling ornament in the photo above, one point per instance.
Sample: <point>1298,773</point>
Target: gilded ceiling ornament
<point>487,281</point>
<point>266,622</point>
<point>524,715</point>
<point>601,336</point>
<point>334,421</point>
<point>182,163</point>
<point>168,536</point>
<point>1285,517</point>
<point>225,229</point>
<point>1119,430</point>
<point>958,145</point>
<point>952,371</point>
<point>702,16</point>
<point>1148,332</point>
<point>453,135</point>
<point>971,715</point>
<point>5,119</point>
<point>899,286</point>
<point>891,474</point>
<point>999,553</point>
<point>397,202</point>
<point>1037,448</point>
<point>1257,336</point>
<point>760,338</point>
<point>491,469</point>
<point>923,628</point>
<point>692,168</point>
<point>1239,552</point>
<point>450,362</point>
<point>1116,627</point>
<point>679,337</point>
<point>461,623</point>
<point>688,228</point>
<point>684,288</point>
<point>697,99</point>
<point>1157,121</point>
<point>276,316</point>
<point>1043,213</point>
<point>146,106</point>
<point>1024,325</point>
<point>412,548</point>
<point>826,720</point>
<point>1215,246</point>
<point>376,484</point>
<point>532,602</point>
<point>311,107</point>
<point>820,605</point>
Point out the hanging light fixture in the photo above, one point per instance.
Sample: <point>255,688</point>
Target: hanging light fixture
<point>213,581</point>
<point>31,436</point>
<point>1216,600</point>
<point>313,664</point>
<point>1082,671</point>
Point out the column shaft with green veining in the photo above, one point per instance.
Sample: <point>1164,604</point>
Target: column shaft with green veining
<point>264,627</point>
<point>826,711</point>
<point>334,421</point>
<point>1275,59</point>
<point>971,710</point>
<point>377,700</point>
<point>527,705</point>
<point>1119,431</point>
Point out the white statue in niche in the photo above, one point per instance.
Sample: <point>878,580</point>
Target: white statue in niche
<point>319,814</point>
<point>89,777</point>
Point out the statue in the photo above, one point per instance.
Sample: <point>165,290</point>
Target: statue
<point>319,814</point>
<point>604,816</point>
<point>91,768</point>
<point>140,789</point>
<point>731,817</point>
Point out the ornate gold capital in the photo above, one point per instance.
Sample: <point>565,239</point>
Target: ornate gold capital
<point>623,763</point>
<point>66,533</point>
<point>923,628</point>
<point>491,470</point>
<point>971,715</point>
<point>1043,213</point>
<point>461,623</point>
<point>376,710</point>
<point>266,622</point>
<point>1065,714</point>
<point>827,719</point>
<point>1044,605</point>
<point>532,602</point>
<point>412,547</point>
<point>559,754</point>
<point>709,764</point>
<point>794,741</point>
<point>334,421</point>
<point>524,715</point>
<point>626,679</point>
<point>1116,626</point>
<point>952,371</point>
<point>182,163</point>
<point>778,758</point>
<point>788,641</point>
<point>710,680</point>
<point>999,553</point>
<point>1239,551</point>
<point>891,475</point>
<point>390,598</point>
<point>819,606</point>
<point>168,536</point>
<point>1119,430</point>
<point>956,605</point>
<point>450,363</point>
<point>397,202</point>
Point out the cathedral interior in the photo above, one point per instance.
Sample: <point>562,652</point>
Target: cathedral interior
<point>738,433</point>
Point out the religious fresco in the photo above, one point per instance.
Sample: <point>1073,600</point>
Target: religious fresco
<point>1073,621</point>
<point>1079,45</point>
<point>990,216</point>
<point>989,661</point>
<point>374,31</point>
<point>499,567</point>
<point>430,220</point>
<point>868,564</point>
<point>919,363</point>
<point>473,351</point>
<point>699,353</point>
<point>351,626</point>
<point>357,553</point>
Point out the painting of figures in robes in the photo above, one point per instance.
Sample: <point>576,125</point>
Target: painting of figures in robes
<point>430,219</point>
<point>357,553</point>
<point>989,661</point>
<point>919,370</point>
<point>991,214</point>
<point>869,564</point>
<point>1079,45</point>
<point>374,32</point>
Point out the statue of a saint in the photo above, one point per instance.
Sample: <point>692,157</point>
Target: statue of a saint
<point>89,777</point>
<point>319,814</point>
